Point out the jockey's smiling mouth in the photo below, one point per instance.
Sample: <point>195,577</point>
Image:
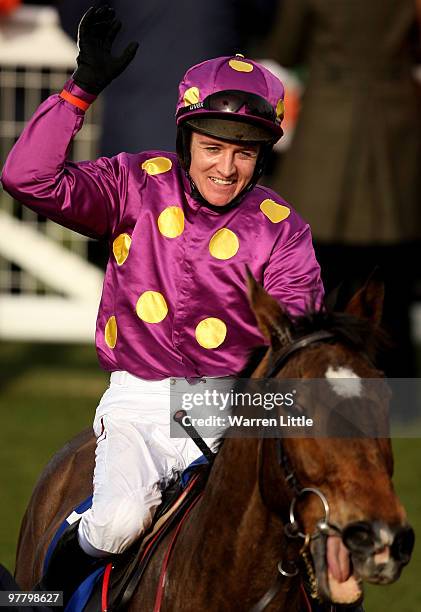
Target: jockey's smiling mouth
<point>219,169</point>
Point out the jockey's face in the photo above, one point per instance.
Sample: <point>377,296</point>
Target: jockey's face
<point>219,169</point>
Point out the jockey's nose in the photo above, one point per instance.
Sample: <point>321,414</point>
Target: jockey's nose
<point>226,164</point>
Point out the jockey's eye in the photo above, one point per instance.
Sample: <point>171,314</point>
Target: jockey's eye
<point>248,154</point>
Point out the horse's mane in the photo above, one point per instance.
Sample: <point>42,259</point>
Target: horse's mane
<point>355,332</point>
<point>359,334</point>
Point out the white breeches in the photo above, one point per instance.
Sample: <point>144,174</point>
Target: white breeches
<point>135,458</point>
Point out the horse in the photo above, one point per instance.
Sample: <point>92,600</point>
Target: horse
<point>275,513</point>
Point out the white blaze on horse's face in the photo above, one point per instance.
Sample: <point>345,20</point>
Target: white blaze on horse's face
<point>344,382</point>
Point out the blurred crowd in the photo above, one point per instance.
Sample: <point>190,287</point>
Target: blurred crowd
<point>352,169</point>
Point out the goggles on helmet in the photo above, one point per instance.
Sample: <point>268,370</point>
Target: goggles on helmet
<point>231,101</point>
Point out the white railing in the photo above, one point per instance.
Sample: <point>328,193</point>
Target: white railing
<point>48,289</point>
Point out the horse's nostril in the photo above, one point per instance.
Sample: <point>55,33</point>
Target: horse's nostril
<point>402,545</point>
<point>359,537</point>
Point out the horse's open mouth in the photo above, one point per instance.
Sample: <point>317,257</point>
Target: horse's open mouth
<point>336,577</point>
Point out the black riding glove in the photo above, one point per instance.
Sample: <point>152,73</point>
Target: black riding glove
<point>96,66</point>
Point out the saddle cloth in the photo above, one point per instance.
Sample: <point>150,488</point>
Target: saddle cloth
<point>111,585</point>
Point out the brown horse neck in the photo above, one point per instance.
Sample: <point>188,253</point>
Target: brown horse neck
<point>232,533</point>
<point>233,487</point>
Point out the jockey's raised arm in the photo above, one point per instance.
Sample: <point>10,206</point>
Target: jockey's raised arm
<point>85,196</point>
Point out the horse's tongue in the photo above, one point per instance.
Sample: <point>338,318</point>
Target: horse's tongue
<point>337,559</point>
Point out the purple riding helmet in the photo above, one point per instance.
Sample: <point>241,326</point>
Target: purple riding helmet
<point>234,99</point>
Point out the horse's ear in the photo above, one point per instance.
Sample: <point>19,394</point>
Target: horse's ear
<point>273,322</point>
<point>332,299</point>
<point>367,303</point>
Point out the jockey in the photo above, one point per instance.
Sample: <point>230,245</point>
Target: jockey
<point>181,229</point>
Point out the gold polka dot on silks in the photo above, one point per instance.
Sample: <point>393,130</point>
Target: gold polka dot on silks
<point>273,211</point>
<point>224,244</point>
<point>151,307</point>
<point>110,333</point>
<point>171,222</point>
<point>121,248</point>
<point>191,96</point>
<point>240,66</point>
<point>156,165</point>
<point>280,108</point>
<point>211,332</point>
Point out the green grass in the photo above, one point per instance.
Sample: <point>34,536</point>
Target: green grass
<point>49,392</point>
<point>405,594</point>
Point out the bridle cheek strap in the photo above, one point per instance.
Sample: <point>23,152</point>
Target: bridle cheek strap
<point>274,368</point>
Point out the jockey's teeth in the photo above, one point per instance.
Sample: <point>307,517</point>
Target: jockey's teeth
<point>219,181</point>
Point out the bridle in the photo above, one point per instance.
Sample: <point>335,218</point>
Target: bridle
<point>284,354</point>
<point>291,528</point>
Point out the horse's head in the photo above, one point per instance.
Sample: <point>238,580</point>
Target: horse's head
<point>356,525</point>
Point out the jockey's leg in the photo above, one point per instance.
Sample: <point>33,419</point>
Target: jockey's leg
<point>69,565</point>
<point>134,457</point>
<point>126,485</point>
